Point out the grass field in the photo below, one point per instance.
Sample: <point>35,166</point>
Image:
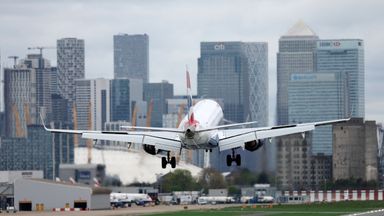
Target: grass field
<point>319,209</point>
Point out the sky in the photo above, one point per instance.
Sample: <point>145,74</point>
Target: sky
<point>176,28</point>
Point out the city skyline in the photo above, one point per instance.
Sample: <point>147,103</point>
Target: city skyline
<point>176,31</point>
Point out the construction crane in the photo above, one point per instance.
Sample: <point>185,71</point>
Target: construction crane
<point>41,48</point>
<point>18,127</point>
<point>90,127</point>
<point>134,115</point>
<point>27,116</point>
<point>149,113</point>
<point>75,136</point>
<point>14,60</point>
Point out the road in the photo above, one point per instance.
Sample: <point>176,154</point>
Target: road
<point>136,210</point>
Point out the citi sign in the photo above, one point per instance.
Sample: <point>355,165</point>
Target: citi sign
<point>219,47</point>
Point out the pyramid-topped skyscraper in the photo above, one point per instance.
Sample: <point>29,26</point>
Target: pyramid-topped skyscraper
<point>300,29</point>
<point>296,55</point>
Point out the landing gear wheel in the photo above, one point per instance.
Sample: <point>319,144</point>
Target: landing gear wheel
<point>164,162</point>
<point>238,160</point>
<point>168,160</point>
<point>173,162</point>
<point>233,157</point>
<point>229,160</point>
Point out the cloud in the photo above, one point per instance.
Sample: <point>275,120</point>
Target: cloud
<point>176,29</point>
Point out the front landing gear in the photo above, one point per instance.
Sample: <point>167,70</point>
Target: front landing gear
<point>168,160</point>
<point>233,157</point>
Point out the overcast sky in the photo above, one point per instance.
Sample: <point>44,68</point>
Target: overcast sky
<point>176,28</point>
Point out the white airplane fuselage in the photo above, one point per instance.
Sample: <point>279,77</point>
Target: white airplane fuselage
<point>206,113</point>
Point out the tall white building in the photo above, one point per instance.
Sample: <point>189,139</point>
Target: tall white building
<point>92,95</point>
<point>70,67</point>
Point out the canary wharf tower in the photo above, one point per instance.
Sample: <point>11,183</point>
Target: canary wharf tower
<point>237,73</point>
<point>296,55</point>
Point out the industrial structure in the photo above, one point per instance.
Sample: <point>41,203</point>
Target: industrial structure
<point>7,180</point>
<point>355,139</point>
<point>36,194</point>
<point>89,174</point>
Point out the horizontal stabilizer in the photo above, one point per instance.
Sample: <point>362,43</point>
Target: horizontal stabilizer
<point>175,130</point>
<point>227,126</point>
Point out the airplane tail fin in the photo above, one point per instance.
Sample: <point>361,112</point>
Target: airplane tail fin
<point>189,98</point>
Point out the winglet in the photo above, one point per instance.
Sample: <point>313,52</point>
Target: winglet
<point>43,122</point>
<point>350,114</point>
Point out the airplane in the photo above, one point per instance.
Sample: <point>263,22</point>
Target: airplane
<point>199,129</point>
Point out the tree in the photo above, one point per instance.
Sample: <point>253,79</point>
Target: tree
<point>234,191</point>
<point>112,181</point>
<point>242,177</point>
<point>263,178</point>
<point>178,180</point>
<point>209,178</point>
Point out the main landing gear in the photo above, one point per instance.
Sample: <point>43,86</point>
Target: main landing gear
<point>168,160</point>
<point>231,158</point>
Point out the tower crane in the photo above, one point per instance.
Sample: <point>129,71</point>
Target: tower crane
<point>149,113</point>
<point>41,48</point>
<point>14,60</point>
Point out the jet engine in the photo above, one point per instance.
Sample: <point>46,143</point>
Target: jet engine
<point>253,145</point>
<point>150,149</point>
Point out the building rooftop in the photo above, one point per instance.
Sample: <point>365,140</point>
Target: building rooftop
<point>95,190</point>
<point>300,29</point>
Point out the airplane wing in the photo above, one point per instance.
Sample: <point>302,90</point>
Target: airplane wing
<point>235,138</point>
<point>163,140</point>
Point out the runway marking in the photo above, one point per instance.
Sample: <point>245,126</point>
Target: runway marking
<point>368,212</point>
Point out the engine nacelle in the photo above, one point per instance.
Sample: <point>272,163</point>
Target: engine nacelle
<point>150,149</point>
<point>253,145</point>
<point>214,140</point>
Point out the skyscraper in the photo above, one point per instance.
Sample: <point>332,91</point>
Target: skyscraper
<point>43,82</point>
<point>158,93</point>
<point>318,80</point>
<point>318,97</point>
<point>27,93</point>
<point>236,72</point>
<point>296,55</point>
<point>19,91</point>
<point>123,94</point>
<point>345,56</point>
<point>70,67</point>
<point>131,56</point>
<point>92,95</point>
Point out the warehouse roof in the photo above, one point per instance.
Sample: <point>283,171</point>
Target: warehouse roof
<point>95,190</point>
